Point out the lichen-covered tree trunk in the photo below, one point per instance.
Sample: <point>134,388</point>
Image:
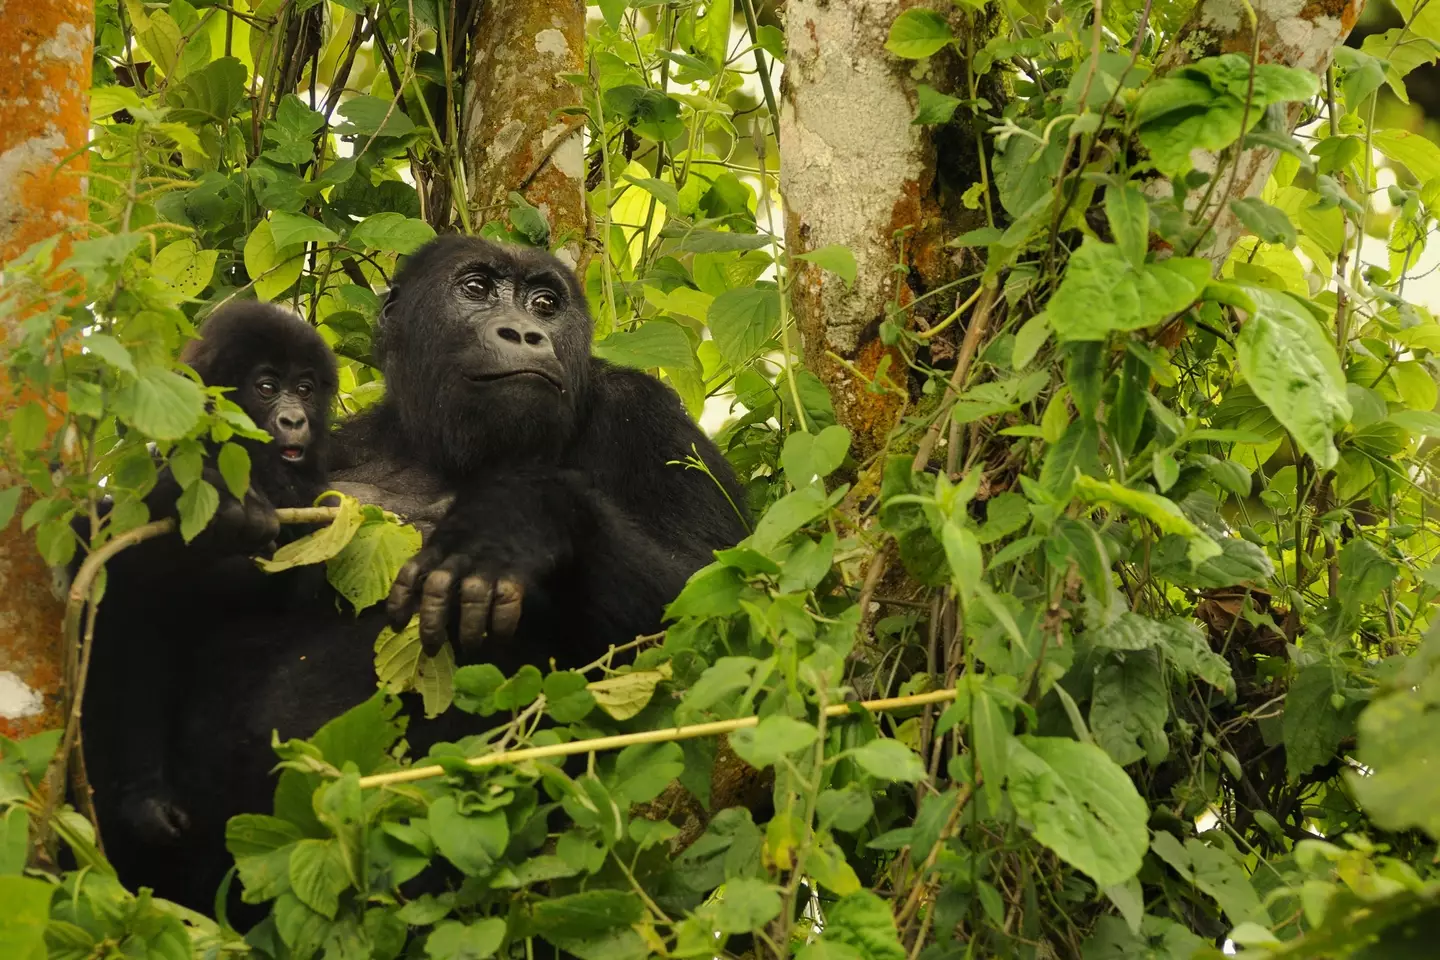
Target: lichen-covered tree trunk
<point>514,138</point>
<point>855,171</point>
<point>45,50</point>
<point>1293,33</point>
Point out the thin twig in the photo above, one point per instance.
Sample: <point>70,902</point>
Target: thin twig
<point>979,323</point>
<point>691,732</point>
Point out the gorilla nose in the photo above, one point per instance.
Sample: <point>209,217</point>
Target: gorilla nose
<point>291,421</point>
<point>522,336</point>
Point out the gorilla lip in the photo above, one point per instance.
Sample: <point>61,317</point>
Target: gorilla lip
<point>509,374</point>
<point>292,454</point>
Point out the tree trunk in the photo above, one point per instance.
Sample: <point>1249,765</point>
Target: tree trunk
<point>855,171</point>
<point>45,51</point>
<point>514,139</point>
<point>1305,38</point>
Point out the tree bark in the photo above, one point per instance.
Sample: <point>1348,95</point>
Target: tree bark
<point>1293,33</point>
<point>45,53</point>
<point>855,171</point>
<point>513,138</point>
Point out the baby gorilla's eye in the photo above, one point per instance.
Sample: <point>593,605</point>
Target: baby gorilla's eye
<point>267,388</point>
<point>476,285</point>
<point>303,389</point>
<point>544,304</point>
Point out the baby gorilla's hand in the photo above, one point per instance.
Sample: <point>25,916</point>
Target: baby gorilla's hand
<point>245,526</point>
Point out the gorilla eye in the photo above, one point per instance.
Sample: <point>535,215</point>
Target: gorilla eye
<point>544,304</point>
<point>267,388</point>
<point>476,285</point>
<point>303,389</point>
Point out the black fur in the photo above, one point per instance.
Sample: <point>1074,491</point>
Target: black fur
<point>556,491</point>
<point>163,598</point>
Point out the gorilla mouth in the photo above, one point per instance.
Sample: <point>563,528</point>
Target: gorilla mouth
<point>292,454</point>
<point>548,377</point>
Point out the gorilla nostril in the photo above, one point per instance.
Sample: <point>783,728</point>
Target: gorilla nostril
<point>291,423</point>
<point>510,334</point>
<point>534,339</point>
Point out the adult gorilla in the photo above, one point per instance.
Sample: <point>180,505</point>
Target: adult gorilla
<point>575,519</point>
<point>558,512</point>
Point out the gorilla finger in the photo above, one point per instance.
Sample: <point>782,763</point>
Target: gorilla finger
<point>505,614</point>
<point>261,524</point>
<point>475,597</point>
<point>437,600</point>
<point>400,605</point>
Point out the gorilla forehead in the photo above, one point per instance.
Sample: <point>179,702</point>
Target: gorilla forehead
<point>444,259</point>
<point>240,336</point>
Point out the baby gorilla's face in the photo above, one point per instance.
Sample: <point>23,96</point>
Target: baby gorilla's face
<point>283,402</point>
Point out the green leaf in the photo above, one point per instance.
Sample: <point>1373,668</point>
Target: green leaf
<point>808,457</point>
<point>743,321</point>
<point>1185,645</point>
<point>1365,572</point>
<point>745,905</point>
<point>318,875</point>
<point>1291,365</point>
<point>626,694</point>
<point>1313,728</point>
<point>774,737</point>
<point>1077,452</point>
<point>1081,805</point>
<point>161,404</point>
<point>321,545</point>
<point>1416,151</point>
<point>1215,872</point>
<point>1129,707</point>
<point>917,34</point>
<point>273,268</point>
<point>9,502</point>
<point>1270,224</point>
<point>1103,291</point>
<point>1005,514</point>
<point>197,505</point>
<point>586,914</point>
<point>836,258</point>
<point>1029,339</point>
<point>655,343</point>
<point>14,840</point>
<point>471,842</point>
<point>392,232</point>
<point>1159,510</point>
<point>787,515</point>
<point>185,268</point>
<point>933,107</point>
<point>366,115</point>
<point>659,189</point>
<point>519,690</point>
<point>1128,213</point>
<point>24,917</point>
<point>650,113</point>
<point>567,699</point>
<point>365,569</point>
<point>28,427</point>
<point>289,229</point>
<point>452,940</point>
<point>644,770</point>
<point>401,664</point>
<point>888,759</point>
<point>234,464</point>
<point>863,922</point>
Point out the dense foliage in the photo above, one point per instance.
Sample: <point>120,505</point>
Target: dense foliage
<point>1176,568</point>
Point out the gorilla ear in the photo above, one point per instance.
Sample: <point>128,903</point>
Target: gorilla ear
<point>384,328</point>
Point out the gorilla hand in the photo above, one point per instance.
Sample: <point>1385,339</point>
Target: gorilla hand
<point>240,526</point>
<point>496,543</point>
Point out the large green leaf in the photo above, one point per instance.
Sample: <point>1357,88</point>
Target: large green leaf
<point>743,321</point>
<point>1103,290</point>
<point>1291,364</point>
<point>1215,872</point>
<point>161,404</point>
<point>1159,510</point>
<point>1081,805</point>
<point>365,569</point>
<point>1129,706</point>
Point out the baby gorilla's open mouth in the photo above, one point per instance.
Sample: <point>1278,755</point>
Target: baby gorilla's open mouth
<point>292,454</point>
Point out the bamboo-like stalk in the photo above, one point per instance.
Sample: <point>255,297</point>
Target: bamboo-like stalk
<point>620,741</point>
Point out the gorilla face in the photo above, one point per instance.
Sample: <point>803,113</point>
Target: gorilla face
<point>485,350</point>
<point>284,378</point>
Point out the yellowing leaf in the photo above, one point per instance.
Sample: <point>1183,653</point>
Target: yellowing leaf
<point>320,545</point>
<point>625,695</point>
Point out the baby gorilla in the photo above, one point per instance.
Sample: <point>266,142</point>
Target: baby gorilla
<point>165,599</point>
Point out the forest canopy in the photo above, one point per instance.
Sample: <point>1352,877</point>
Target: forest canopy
<point>1078,362</point>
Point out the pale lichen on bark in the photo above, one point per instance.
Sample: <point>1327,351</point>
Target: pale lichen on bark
<point>514,138</point>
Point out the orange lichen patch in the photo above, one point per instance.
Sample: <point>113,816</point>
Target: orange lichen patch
<point>45,51</point>
<point>869,415</point>
<point>1347,10</point>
